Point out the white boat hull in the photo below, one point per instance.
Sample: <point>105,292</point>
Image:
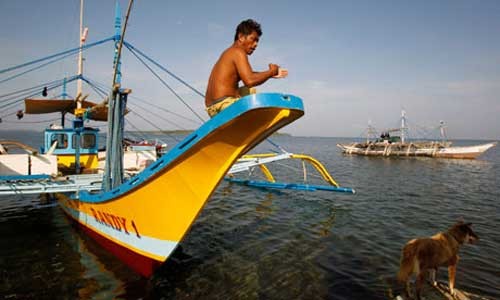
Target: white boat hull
<point>461,152</point>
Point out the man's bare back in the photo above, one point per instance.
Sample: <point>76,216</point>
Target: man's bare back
<point>223,81</point>
<point>233,66</point>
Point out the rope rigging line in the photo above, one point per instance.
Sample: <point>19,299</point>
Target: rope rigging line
<point>166,110</point>
<point>103,88</point>
<point>8,114</point>
<point>425,132</point>
<point>32,122</point>
<point>36,68</point>
<point>138,131</point>
<point>159,117</point>
<point>130,47</point>
<point>276,145</point>
<point>28,91</point>
<point>56,55</point>
<point>100,86</point>
<point>154,125</point>
<point>100,91</point>
<point>164,83</point>
<point>138,134</point>
<point>23,96</point>
<point>36,87</point>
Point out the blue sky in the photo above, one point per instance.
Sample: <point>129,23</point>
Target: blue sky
<point>352,62</point>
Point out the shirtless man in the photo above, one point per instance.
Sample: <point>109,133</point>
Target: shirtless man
<point>233,66</point>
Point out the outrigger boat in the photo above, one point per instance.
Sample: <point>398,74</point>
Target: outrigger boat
<point>398,145</point>
<point>142,218</point>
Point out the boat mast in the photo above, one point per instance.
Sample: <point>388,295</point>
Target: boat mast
<point>78,121</point>
<point>442,131</point>
<point>64,94</point>
<point>113,172</point>
<point>80,57</point>
<point>116,61</point>
<point>403,126</point>
<point>370,132</point>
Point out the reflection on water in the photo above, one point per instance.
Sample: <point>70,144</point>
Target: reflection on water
<point>43,257</point>
<point>264,244</point>
<point>265,207</point>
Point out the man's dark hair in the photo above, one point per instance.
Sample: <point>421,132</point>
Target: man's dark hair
<point>247,27</point>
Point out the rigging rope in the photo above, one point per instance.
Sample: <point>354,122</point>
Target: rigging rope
<point>56,55</point>
<point>144,137</point>
<point>36,68</point>
<point>36,87</point>
<point>32,122</point>
<point>100,86</point>
<point>159,117</point>
<point>130,47</point>
<point>276,145</point>
<point>26,95</point>
<point>9,114</point>
<point>100,91</point>
<point>164,83</point>
<point>154,125</point>
<point>166,110</point>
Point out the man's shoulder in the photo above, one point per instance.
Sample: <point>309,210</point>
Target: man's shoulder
<point>233,52</point>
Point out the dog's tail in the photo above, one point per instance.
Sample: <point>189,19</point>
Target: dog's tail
<point>408,261</point>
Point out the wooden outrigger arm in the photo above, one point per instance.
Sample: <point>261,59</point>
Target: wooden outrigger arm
<point>247,162</point>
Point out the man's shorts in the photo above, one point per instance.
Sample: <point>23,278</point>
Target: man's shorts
<point>222,103</point>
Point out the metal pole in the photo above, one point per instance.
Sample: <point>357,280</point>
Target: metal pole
<point>113,172</point>
<point>80,56</point>
<point>403,127</point>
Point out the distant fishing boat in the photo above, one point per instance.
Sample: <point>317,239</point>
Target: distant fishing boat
<point>398,145</point>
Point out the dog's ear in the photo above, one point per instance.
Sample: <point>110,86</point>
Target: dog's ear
<point>460,220</point>
<point>468,224</point>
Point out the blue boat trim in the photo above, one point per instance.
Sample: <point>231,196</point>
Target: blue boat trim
<point>245,104</point>
<point>290,186</point>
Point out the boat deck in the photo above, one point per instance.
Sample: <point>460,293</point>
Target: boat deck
<point>16,185</point>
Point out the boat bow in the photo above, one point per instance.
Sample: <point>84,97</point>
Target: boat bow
<point>143,220</point>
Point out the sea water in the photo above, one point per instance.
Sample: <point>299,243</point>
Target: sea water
<point>263,244</point>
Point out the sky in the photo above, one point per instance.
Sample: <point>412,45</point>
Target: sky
<point>353,63</point>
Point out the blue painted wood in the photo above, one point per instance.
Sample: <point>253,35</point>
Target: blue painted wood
<point>290,186</point>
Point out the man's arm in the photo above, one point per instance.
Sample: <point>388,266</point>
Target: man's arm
<point>247,75</point>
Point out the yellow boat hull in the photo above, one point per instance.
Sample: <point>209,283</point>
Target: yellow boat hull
<point>144,220</point>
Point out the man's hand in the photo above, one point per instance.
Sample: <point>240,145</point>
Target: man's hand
<point>282,73</point>
<point>277,72</point>
<point>274,69</point>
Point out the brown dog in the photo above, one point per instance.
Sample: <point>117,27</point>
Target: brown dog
<point>427,254</point>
